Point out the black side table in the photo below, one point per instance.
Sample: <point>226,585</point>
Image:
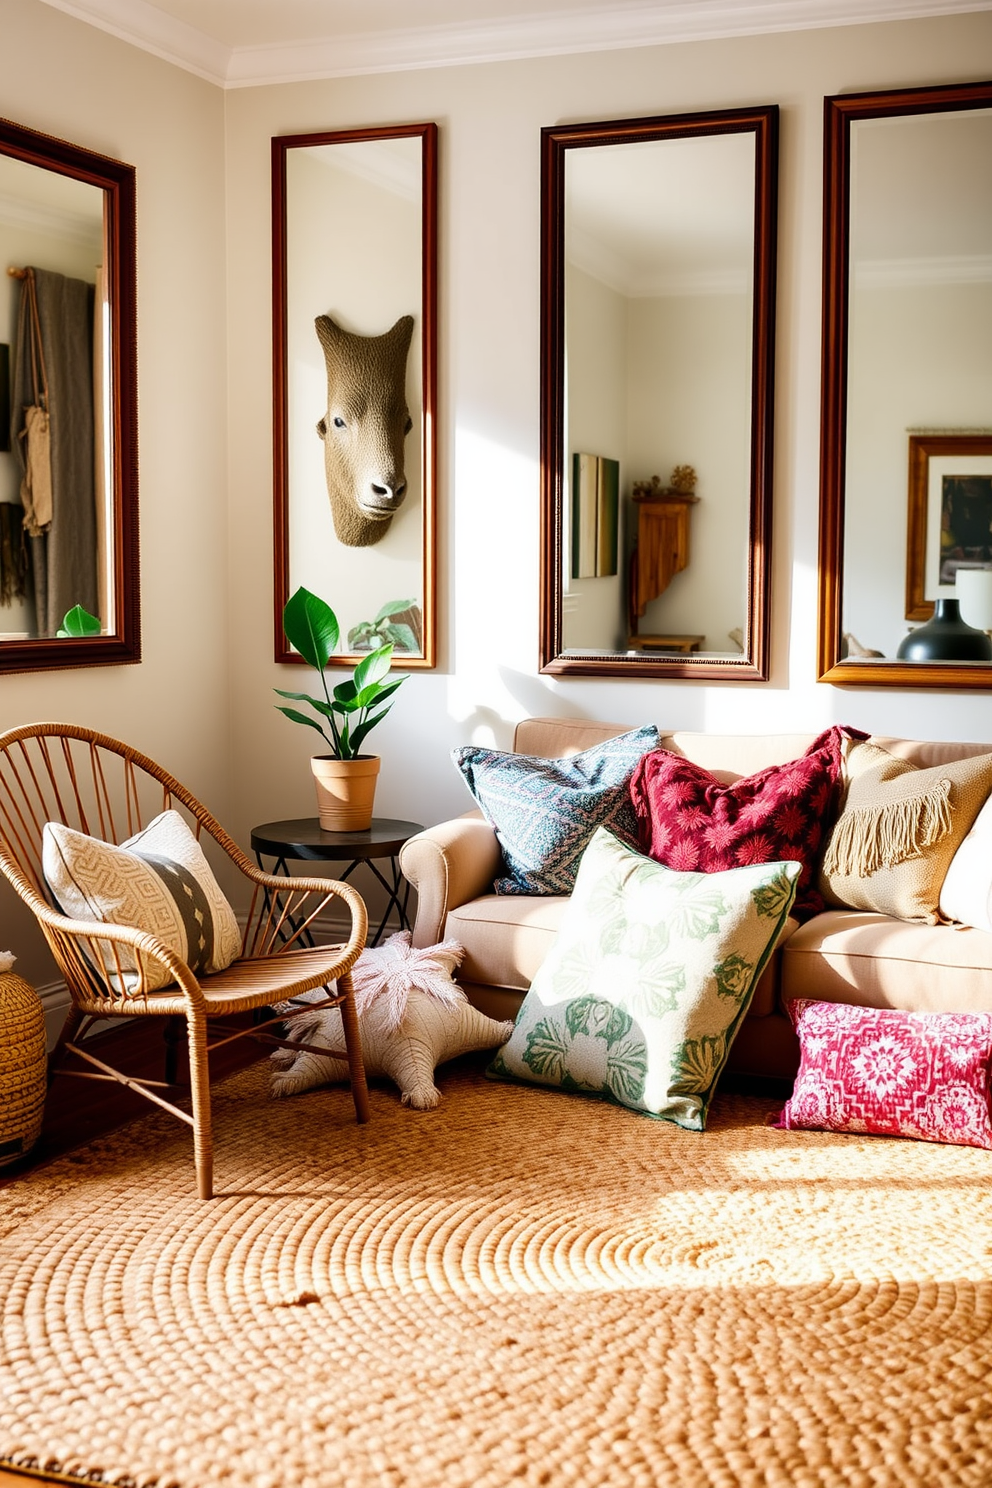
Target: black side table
<point>305,839</point>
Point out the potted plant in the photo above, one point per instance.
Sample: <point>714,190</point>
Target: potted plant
<point>346,777</point>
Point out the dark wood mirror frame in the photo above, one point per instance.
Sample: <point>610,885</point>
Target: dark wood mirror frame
<point>428,135</point>
<point>839,114</point>
<point>117,182</point>
<point>556,142</point>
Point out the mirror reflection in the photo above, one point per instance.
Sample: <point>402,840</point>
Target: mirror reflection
<point>658,309</point>
<point>659,245</point>
<point>55,485</point>
<point>906,595</point>
<point>354,495</point>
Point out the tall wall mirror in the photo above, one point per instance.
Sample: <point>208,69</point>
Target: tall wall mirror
<point>658,303</point>
<point>906,455</point>
<point>355,373</point>
<point>68,405</point>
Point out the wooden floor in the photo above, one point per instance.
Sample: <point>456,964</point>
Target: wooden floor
<point>76,1110</point>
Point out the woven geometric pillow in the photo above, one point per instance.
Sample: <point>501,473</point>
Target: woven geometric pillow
<point>898,831</point>
<point>892,1074</point>
<point>651,974</point>
<point>689,820</point>
<point>158,880</point>
<point>545,811</point>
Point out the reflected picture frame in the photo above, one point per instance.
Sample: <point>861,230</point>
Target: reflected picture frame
<point>938,465</point>
<point>288,416</point>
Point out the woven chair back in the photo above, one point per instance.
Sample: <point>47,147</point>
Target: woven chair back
<point>55,772</point>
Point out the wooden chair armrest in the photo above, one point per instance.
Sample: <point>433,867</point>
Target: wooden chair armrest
<point>285,912</point>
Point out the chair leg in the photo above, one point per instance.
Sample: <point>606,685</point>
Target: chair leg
<point>353,1046</point>
<point>199,1080</point>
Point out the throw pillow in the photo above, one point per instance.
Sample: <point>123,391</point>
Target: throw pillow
<point>412,1017</point>
<point>899,828</point>
<point>158,880</point>
<point>690,821</point>
<point>545,811</point>
<point>649,978</point>
<point>891,1073</point>
<point>966,893</point>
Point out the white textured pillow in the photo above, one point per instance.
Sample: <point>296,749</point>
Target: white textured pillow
<point>158,881</point>
<point>966,893</point>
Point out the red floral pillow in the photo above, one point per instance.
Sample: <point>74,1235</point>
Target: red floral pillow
<point>892,1074</point>
<point>689,821</point>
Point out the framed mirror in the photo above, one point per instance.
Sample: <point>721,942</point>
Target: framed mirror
<point>355,384</point>
<point>906,436</point>
<point>69,527</point>
<point>658,308</point>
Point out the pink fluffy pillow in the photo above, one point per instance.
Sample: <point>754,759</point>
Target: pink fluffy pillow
<point>689,821</point>
<point>892,1074</point>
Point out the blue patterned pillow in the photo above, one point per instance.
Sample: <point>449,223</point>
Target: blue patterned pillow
<point>544,812</point>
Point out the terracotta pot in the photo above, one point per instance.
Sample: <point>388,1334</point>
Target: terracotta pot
<point>345,791</point>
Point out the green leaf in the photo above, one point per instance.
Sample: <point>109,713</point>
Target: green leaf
<point>394,607</point>
<point>359,732</point>
<point>345,694</point>
<point>304,697</point>
<point>302,718</point>
<point>311,626</point>
<point>373,667</point>
<point>361,635</point>
<point>78,622</point>
<point>697,911</point>
<point>774,898</point>
<point>402,637</point>
<point>546,1049</point>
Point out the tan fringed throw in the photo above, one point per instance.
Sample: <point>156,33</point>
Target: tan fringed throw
<point>898,831</point>
<point>881,836</point>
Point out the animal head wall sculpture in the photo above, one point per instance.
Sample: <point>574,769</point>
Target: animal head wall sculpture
<point>363,431</point>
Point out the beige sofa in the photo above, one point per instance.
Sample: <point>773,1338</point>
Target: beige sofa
<point>838,956</point>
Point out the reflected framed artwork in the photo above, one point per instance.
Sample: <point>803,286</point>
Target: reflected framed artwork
<point>354,251</point>
<point>950,515</point>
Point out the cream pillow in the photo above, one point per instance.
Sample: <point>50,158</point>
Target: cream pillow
<point>967,892</point>
<point>899,829</point>
<point>158,881</point>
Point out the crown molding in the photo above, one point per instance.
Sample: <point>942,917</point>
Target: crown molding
<point>507,38</point>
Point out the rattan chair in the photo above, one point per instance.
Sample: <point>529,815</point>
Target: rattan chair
<point>97,785</point>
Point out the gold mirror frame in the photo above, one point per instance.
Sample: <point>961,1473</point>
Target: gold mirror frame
<point>840,113</point>
<point>426,416</point>
<point>117,182</point>
<point>556,144</point>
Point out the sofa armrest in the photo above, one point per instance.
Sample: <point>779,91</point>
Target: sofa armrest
<point>448,865</point>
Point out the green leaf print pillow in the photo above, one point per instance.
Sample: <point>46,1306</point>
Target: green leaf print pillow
<point>648,980</point>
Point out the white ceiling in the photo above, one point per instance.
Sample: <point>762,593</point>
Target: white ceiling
<point>242,43</point>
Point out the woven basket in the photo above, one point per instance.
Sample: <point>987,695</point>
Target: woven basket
<point>22,1067</point>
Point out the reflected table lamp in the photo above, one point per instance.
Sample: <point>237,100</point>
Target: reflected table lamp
<point>973,587</point>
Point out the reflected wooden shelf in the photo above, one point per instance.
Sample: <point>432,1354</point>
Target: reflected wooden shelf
<point>684,645</point>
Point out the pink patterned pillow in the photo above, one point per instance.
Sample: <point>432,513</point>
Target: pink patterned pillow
<point>689,821</point>
<point>892,1074</point>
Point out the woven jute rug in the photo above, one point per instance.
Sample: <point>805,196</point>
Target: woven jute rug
<point>519,1288</point>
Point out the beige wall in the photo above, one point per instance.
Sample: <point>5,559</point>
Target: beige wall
<point>202,699</point>
<point>68,79</point>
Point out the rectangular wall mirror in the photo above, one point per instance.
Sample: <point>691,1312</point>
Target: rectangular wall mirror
<point>355,375</point>
<point>906,453</point>
<point>658,298</point>
<point>68,536</point>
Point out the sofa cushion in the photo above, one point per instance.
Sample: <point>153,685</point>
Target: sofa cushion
<point>923,1075</point>
<point>966,893</point>
<point>507,937</point>
<point>544,811</point>
<point>899,828</point>
<point>877,961</point>
<point>648,980</point>
<point>688,820</point>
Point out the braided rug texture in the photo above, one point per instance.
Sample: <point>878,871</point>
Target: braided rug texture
<point>517,1288</point>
